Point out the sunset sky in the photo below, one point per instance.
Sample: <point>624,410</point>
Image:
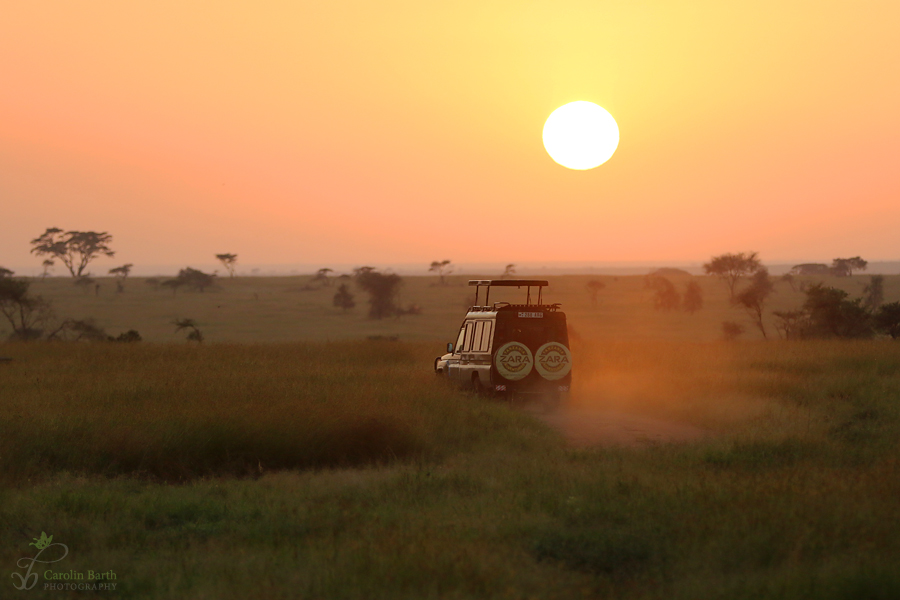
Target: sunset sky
<point>403,132</point>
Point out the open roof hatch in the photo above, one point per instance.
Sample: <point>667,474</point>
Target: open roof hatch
<point>540,284</point>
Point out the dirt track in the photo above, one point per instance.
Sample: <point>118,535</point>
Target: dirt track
<point>585,427</point>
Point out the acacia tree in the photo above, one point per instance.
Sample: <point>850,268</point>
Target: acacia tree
<point>47,265</point>
<point>844,267</point>
<point>594,286</point>
<point>509,271</point>
<point>442,268</point>
<point>173,284</point>
<point>76,249</point>
<point>754,298</point>
<point>5,273</point>
<point>791,323</point>
<point>229,261</point>
<point>194,335</point>
<point>731,267</point>
<point>26,313</point>
<point>322,275</point>
<point>121,274</point>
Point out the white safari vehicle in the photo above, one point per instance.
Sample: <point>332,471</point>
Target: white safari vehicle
<point>511,349</point>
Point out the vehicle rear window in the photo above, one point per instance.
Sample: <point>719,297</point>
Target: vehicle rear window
<point>531,331</point>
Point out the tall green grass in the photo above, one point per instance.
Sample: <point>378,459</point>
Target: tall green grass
<point>181,412</point>
<point>793,494</point>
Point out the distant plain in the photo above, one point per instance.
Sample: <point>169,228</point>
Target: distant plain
<point>285,309</point>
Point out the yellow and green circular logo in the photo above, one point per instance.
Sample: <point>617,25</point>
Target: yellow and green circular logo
<point>514,361</point>
<point>553,361</point>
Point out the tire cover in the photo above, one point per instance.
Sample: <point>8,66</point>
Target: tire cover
<point>514,361</point>
<point>553,361</point>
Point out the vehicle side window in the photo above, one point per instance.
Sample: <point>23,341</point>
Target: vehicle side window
<point>486,337</point>
<point>467,344</point>
<point>459,341</point>
<point>476,338</point>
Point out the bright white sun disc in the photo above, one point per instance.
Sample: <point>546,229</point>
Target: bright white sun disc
<point>581,135</point>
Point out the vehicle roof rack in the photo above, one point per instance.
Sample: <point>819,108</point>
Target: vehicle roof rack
<point>510,282</point>
<point>540,284</point>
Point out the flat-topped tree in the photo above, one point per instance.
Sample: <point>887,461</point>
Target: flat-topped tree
<point>442,268</point>
<point>229,261</point>
<point>48,264</point>
<point>76,249</point>
<point>594,286</point>
<point>121,274</point>
<point>322,276</point>
<point>844,267</point>
<point>731,267</point>
<point>194,333</point>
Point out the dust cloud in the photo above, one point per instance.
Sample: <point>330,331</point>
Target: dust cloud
<point>641,392</point>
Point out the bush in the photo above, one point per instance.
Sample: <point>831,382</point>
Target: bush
<point>731,330</point>
<point>831,314</point>
<point>382,289</point>
<point>343,299</point>
<point>129,336</point>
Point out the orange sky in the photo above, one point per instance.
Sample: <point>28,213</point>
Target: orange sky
<point>404,132</point>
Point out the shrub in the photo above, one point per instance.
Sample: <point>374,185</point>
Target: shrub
<point>887,319</point>
<point>665,296</point>
<point>832,314</point>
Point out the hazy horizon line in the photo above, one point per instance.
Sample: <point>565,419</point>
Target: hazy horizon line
<point>419,269</point>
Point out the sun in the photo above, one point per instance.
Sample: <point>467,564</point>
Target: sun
<point>581,135</point>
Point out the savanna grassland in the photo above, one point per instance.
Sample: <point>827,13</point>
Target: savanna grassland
<point>344,469</point>
<point>287,309</point>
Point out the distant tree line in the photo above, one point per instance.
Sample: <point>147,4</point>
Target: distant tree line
<point>826,311</point>
<point>840,267</point>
